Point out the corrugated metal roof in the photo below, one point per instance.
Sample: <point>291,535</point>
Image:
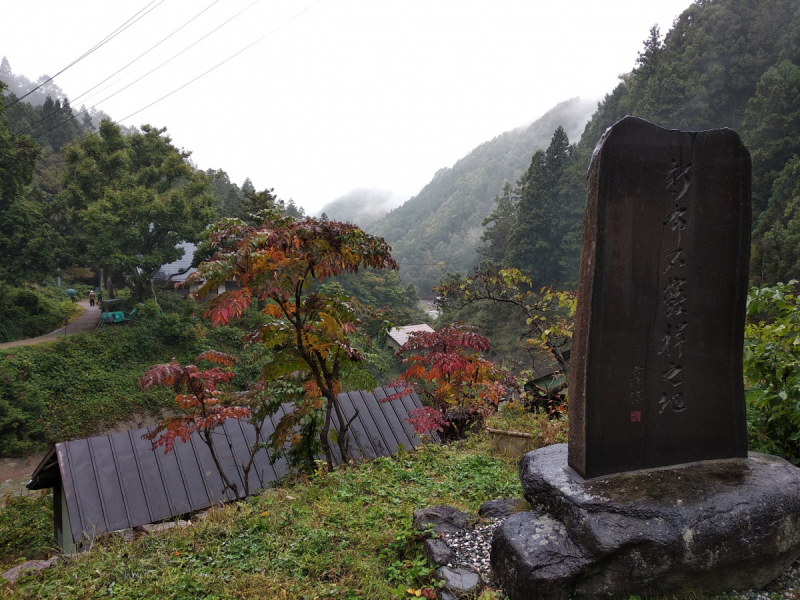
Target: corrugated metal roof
<point>170,269</point>
<point>116,481</point>
<point>400,334</point>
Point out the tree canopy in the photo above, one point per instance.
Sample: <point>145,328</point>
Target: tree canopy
<point>128,200</point>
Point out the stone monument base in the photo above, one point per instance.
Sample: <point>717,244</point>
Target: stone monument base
<point>711,526</point>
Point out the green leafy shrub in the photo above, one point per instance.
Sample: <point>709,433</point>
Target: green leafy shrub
<point>772,370</point>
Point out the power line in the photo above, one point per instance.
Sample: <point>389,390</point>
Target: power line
<point>51,115</point>
<point>193,80</point>
<point>150,71</point>
<point>97,46</point>
<point>224,61</point>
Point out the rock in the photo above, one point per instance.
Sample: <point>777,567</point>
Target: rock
<point>446,595</point>
<point>503,507</point>
<point>445,518</point>
<point>437,552</point>
<point>533,557</point>
<point>53,560</point>
<point>126,534</point>
<point>711,526</point>
<point>458,581</point>
<point>162,526</point>
<point>25,569</point>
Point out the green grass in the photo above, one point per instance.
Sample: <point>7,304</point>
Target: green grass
<point>344,535</point>
<point>26,529</point>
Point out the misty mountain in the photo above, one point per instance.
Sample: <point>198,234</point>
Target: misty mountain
<point>438,230</point>
<point>362,206</point>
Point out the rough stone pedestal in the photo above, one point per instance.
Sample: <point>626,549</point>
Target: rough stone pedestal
<point>711,526</point>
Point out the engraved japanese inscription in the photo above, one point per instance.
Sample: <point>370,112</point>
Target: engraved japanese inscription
<point>656,374</point>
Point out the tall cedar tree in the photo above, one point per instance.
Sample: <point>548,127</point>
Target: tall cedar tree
<point>26,237</point>
<point>310,332</point>
<point>535,242</point>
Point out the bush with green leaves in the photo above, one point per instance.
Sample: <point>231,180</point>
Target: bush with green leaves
<point>772,370</point>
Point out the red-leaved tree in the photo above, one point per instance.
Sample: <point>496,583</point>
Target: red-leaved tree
<point>447,371</point>
<point>309,330</point>
<point>198,405</point>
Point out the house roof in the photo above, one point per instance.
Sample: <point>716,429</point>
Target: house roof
<point>400,334</point>
<point>170,269</point>
<point>116,481</point>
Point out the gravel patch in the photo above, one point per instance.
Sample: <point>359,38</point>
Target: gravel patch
<point>472,547</point>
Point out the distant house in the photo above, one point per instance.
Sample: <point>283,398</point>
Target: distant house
<point>116,481</point>
<point>175,272</point>
<point>399,335</point>
<point>180,270</point>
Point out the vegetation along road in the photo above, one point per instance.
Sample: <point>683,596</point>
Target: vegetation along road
<point>88,320</point>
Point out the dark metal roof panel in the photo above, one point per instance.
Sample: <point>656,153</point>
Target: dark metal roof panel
<point>117,481</point>
<point>133,491</point>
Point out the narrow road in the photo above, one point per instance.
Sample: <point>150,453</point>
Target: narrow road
<point>88,320</point>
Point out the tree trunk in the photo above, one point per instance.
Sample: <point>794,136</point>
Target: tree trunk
<point>323,437</point>
<point>206,437</point>
<point>110,287</point>
<point>344,428</point>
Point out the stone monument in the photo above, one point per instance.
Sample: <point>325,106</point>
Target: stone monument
<point>656,492</point>
<point>656,366</point>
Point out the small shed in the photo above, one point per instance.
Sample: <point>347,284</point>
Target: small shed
<point>398,336</point>
<point>116,481</point>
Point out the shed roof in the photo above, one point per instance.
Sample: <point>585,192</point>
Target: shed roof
<point>400,334</point>
<point>116,481</point>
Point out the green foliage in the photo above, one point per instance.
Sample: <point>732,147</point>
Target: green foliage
<point>772,370</point>
<point>25,236</point>
<point>76,386</point>
<point>26,528</point>
<point>129,200</point>
<point>383,290</point>
<point>345,534</point>
<point>32,310</point>
<point>545,429</point>
<point>776,240</point>
<point>543,327</point>
<point>546,220</point>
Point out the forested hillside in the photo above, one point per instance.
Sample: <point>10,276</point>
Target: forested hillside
<point>724,63</point>
<point>439,229</point>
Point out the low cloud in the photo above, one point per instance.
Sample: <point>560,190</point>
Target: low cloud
<point>362,206</point>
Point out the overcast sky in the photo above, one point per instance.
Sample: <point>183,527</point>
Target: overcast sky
<point>340,94</point>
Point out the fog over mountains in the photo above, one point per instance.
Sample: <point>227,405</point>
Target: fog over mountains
<point>439,229</point>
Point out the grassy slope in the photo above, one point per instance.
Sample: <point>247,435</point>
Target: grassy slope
<point>346,535</point>
<point>76,386</point>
